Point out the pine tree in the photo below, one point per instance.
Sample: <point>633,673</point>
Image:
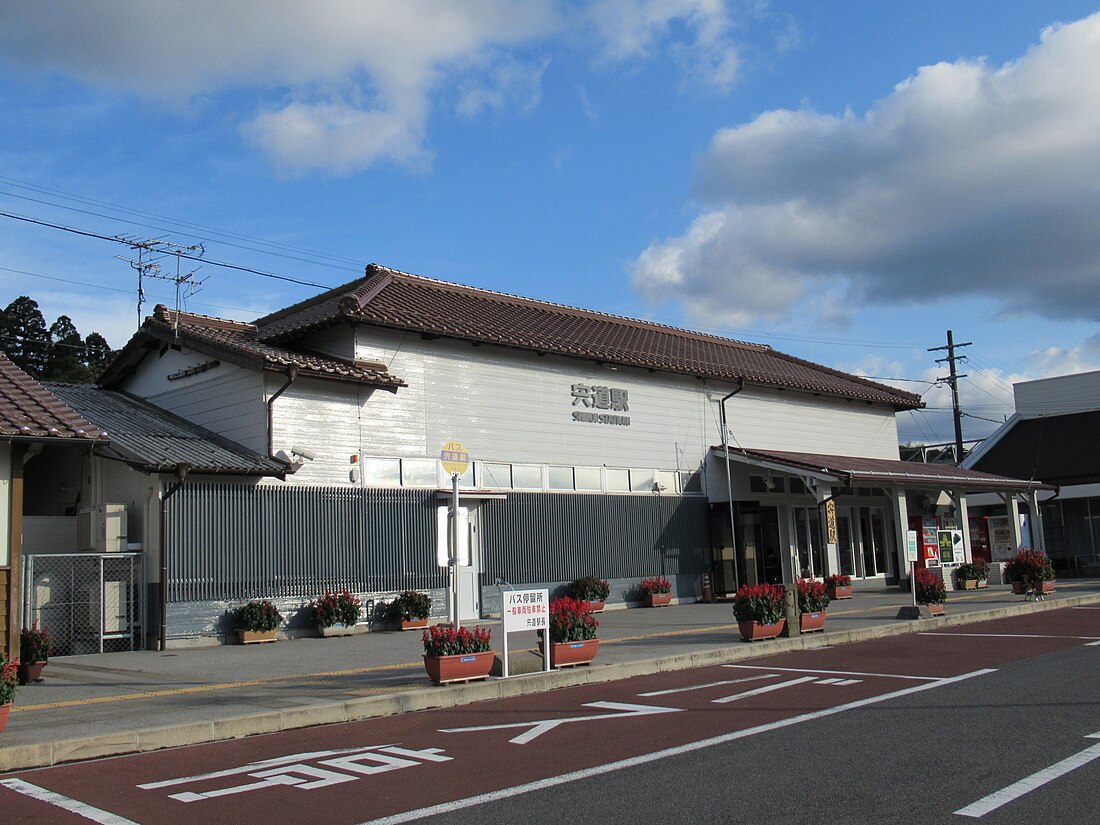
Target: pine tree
<point>66,355</point>
<point>97,354</point>
<point>24,335</point>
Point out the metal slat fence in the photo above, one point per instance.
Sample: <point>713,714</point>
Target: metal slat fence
<point>232,542</point>
<point>539,537</point>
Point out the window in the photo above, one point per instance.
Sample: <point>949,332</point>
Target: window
<point>527,476</point>
<point>561,478</point>
<point>382,472</point>
<point>691,482</point>
<point>419,472</point>
<point>642,481</point>
<point>618,481</point>
<point>587,478</point>
<point>495,476</point>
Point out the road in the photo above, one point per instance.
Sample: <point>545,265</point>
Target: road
<point>997,722</point>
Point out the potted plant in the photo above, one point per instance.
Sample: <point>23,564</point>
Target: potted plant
<point>839,586</point>
<point>592,590</point>
<point>456,655</point>
<point>336,613</point>
<point>759,611</point>
<point>813,598</point>
<point>1030,571</point>
<point>931,591</point>
<point>411,609</point>
<point>572,633</point>
<point>257,621</point>
<point>8,681</point>
<point>656,591</point>
<point>34,653</point>
<point>971,575</point>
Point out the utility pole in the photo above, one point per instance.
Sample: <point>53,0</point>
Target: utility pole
<point>953,382</point>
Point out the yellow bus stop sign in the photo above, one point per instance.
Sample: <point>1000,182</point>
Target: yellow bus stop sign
<point>454,458</point>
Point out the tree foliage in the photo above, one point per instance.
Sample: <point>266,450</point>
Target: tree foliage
<point>56,353</point>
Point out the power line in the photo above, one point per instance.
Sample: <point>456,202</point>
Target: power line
<point>121,240</point>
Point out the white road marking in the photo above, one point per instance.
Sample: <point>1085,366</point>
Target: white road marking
<point>839,672</point>
<point>655,756</point>
<point>72,805</point>
<point>709,685</point>
<point>1093,644</point>
<point>1036,780</point>
<point>255,766</point>
<point>844,682</point>
<point>539,727</point>
<point>766,689</point>
<point>832,681</point>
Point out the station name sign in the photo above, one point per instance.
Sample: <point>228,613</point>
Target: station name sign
<point>612,400</point>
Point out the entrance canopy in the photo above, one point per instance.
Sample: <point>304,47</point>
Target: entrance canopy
<point>855,471</point>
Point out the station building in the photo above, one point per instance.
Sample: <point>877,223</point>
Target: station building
<point>601,445</point>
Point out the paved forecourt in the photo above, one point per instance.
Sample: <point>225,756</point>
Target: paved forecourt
<point>91,706</point>
<point>404,769</point>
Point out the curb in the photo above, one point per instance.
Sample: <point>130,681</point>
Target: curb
<point>45,754</point>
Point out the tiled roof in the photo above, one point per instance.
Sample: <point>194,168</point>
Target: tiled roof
<point>154,440</point>
<point>1063,449</point>
<point>398,300</point>
<point>237,343</point>
<point>880,472</point>
<point>29,411</point>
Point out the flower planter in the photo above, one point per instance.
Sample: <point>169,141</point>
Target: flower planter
<point>4,711</point>
<point>656,599</point>
<point>571,654</point>
<point>936,609</point>
<point>414,624</point>
<point>1018,588</point>
<point>595,607</point>
<point>811,622</point>
<point>462,668</point>
<point>983,583</point>
<point>968,584</point>
<point>338,629</point>
<point>1042,588</point>
<point>27,672</point>
<point>841,592</point>
<point>251,637</point>
<point>754,631</point>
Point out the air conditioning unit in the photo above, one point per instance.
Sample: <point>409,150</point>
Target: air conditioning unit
<point>101,529</point>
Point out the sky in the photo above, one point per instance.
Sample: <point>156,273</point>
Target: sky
<point>843,181</point>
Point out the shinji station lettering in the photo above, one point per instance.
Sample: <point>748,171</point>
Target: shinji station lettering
<point>598,397</point>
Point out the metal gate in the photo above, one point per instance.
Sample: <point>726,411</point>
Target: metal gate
<point>90,602</point>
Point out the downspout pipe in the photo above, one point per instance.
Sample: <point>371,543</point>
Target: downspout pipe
<point>291,377</point>
<point>182,470</point>
<point>729,477</point>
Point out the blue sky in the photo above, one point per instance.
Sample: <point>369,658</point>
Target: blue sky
<point>844,181</point>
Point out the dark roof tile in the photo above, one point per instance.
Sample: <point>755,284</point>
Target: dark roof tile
<point>29,410</point>
<point>398,300</point>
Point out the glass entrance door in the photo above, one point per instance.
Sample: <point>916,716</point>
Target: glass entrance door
<point>876,542</point>
<point>807,540</point>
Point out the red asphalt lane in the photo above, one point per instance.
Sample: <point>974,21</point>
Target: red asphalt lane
<point>362,771</point>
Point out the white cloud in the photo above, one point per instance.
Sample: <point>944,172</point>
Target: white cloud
<point>638,28</point>
<point>343,84</point>
<point>967,180</point>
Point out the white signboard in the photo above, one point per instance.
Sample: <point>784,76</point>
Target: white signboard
<point>526,610</point>
<point>911,547</point>
<point>1001,545</point>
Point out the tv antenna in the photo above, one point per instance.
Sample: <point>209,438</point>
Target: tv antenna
<point>150,255</point>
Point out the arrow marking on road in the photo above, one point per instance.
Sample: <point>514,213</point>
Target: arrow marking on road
<point>1002,797</point>
<point>539,727</point>
<point>765,689</point>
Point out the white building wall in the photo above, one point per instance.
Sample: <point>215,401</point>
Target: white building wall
<point>516,407</point>
<point>227,399</point>
<point>1060,395</point>
<point>5,505</point>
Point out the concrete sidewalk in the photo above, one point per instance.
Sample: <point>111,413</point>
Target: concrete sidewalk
<point>114,703</point>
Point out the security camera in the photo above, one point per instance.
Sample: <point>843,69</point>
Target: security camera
<point>303,452</point>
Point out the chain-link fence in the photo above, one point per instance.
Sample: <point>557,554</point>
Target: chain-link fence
<point>91,602</point>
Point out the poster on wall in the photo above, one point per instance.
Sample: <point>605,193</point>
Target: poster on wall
<point>1001,545</point>
<point>951,547</point>
<point>930,545</point>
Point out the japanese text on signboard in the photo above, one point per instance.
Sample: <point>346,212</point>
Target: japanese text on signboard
<point>526,610</point>
<point>599,397</point>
